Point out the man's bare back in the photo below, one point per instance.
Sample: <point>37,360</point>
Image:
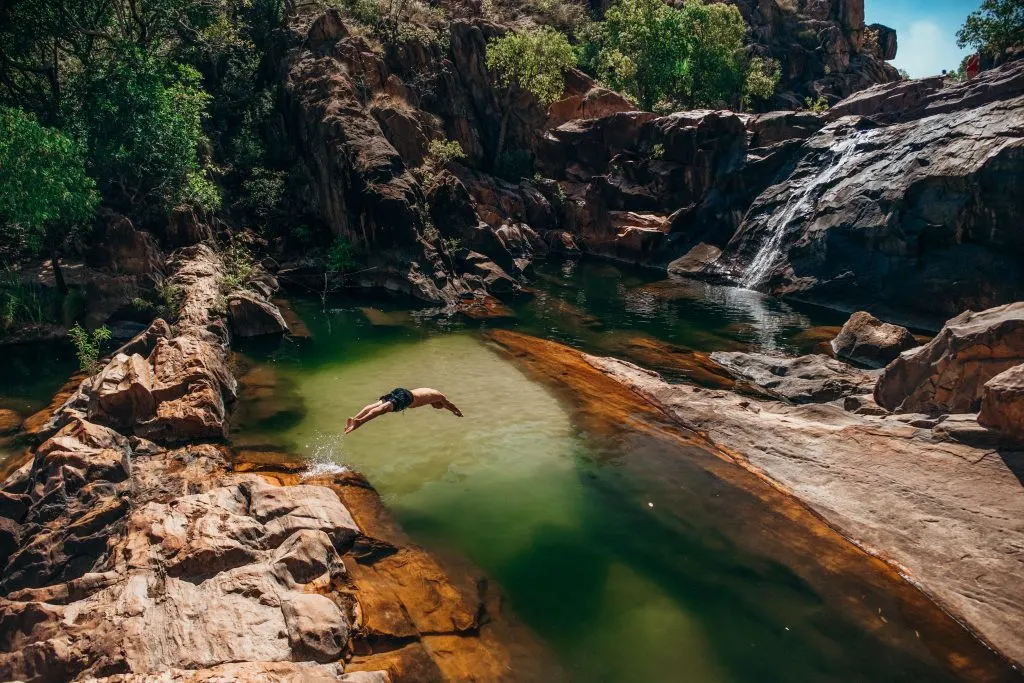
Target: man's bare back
<point>399,400</point>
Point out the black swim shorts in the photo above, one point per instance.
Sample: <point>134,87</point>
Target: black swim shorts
<point>400,399</point>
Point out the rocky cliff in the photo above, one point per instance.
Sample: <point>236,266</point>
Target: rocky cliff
<point>135,543</point>
<point>824,47</point>
<point>903,196</point>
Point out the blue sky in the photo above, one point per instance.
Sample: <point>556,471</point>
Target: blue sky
<point>926,31</point>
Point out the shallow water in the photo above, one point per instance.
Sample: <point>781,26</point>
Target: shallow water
<point>634,557</point>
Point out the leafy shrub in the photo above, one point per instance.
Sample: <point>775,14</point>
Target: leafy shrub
<point>657,151</point>
<point>818,106</point>
<point>142,118</point>
<point>762,78</point>
<point>88,346</point>
<point>341,257</point>
<point>439,154</point>
<point>240,265</point>
<point>24,302</point>
<point>993,27</point>
<point>264,192</point>
<point>656,52</point>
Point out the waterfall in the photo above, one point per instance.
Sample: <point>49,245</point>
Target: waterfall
<point>799,200</point>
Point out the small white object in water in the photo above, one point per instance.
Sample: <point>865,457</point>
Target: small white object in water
<point>650,505</point>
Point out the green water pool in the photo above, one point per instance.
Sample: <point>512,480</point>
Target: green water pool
<point>632,558</point>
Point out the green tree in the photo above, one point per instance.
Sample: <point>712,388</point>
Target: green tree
<point>642,49</point>
<point>694,55</point>
<point>713,69</point>
<point>993,27</point>
<point>533,61</point>
<point>46,192</point>
<point>142,119</point>
<point>762,78</point>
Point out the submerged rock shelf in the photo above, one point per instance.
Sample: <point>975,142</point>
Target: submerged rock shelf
<point>943,515</point>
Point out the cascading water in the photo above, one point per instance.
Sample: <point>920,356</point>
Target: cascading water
<point>770,250</point>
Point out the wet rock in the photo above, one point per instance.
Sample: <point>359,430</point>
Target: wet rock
<point>807,379</point>
<point>253,316</point>
<point>920,215</point>
<point>10,421</point>
<point>1002,403</point>
<point>864,475</point>
<point>866,339</point>
<point>948,374</point>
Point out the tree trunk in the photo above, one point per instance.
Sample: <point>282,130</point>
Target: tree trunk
<point>58,275</point>
<point>501,133</point>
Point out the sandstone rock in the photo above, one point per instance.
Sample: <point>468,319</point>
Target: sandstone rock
<point>887,41</point>
<point>253,316</point>
<point>1002,403</point>
<point>122,393</point>
<point>144,341</point>
<point>305,556</point>
<point>807,379</point>
<point>948,374</point>
<point>316,627</point>
<point>866,339</point>
<point>285,510</point>
<point>10,421</point>
<point>186,227</point>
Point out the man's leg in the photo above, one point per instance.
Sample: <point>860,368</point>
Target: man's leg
<point>366,409</point>
<point>355,423</point>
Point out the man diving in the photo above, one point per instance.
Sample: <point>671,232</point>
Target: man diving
<point>397,401</point>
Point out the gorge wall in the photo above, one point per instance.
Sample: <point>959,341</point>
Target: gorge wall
<point>363,113</point>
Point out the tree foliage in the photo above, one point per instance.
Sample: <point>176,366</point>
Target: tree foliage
<point>993,27</point>
<point>46,191</point>
<point>762,78</point>
<point>142,117</point>
<point>533,61</point>
<point>688,56</point>
<point>643,49</point>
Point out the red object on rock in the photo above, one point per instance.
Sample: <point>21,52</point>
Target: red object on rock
<point>973,66</point>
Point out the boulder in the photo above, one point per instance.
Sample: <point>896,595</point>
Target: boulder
<point>252,316</point>
<point>1002,403</point>
<point>144,341</point>
<point>807,379</point>
<point>949,373</point>
<point>122,393</point>
<point>866,339</point>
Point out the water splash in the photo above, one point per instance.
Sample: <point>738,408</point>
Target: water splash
<point>799,201</point>
<point>324,452</point>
